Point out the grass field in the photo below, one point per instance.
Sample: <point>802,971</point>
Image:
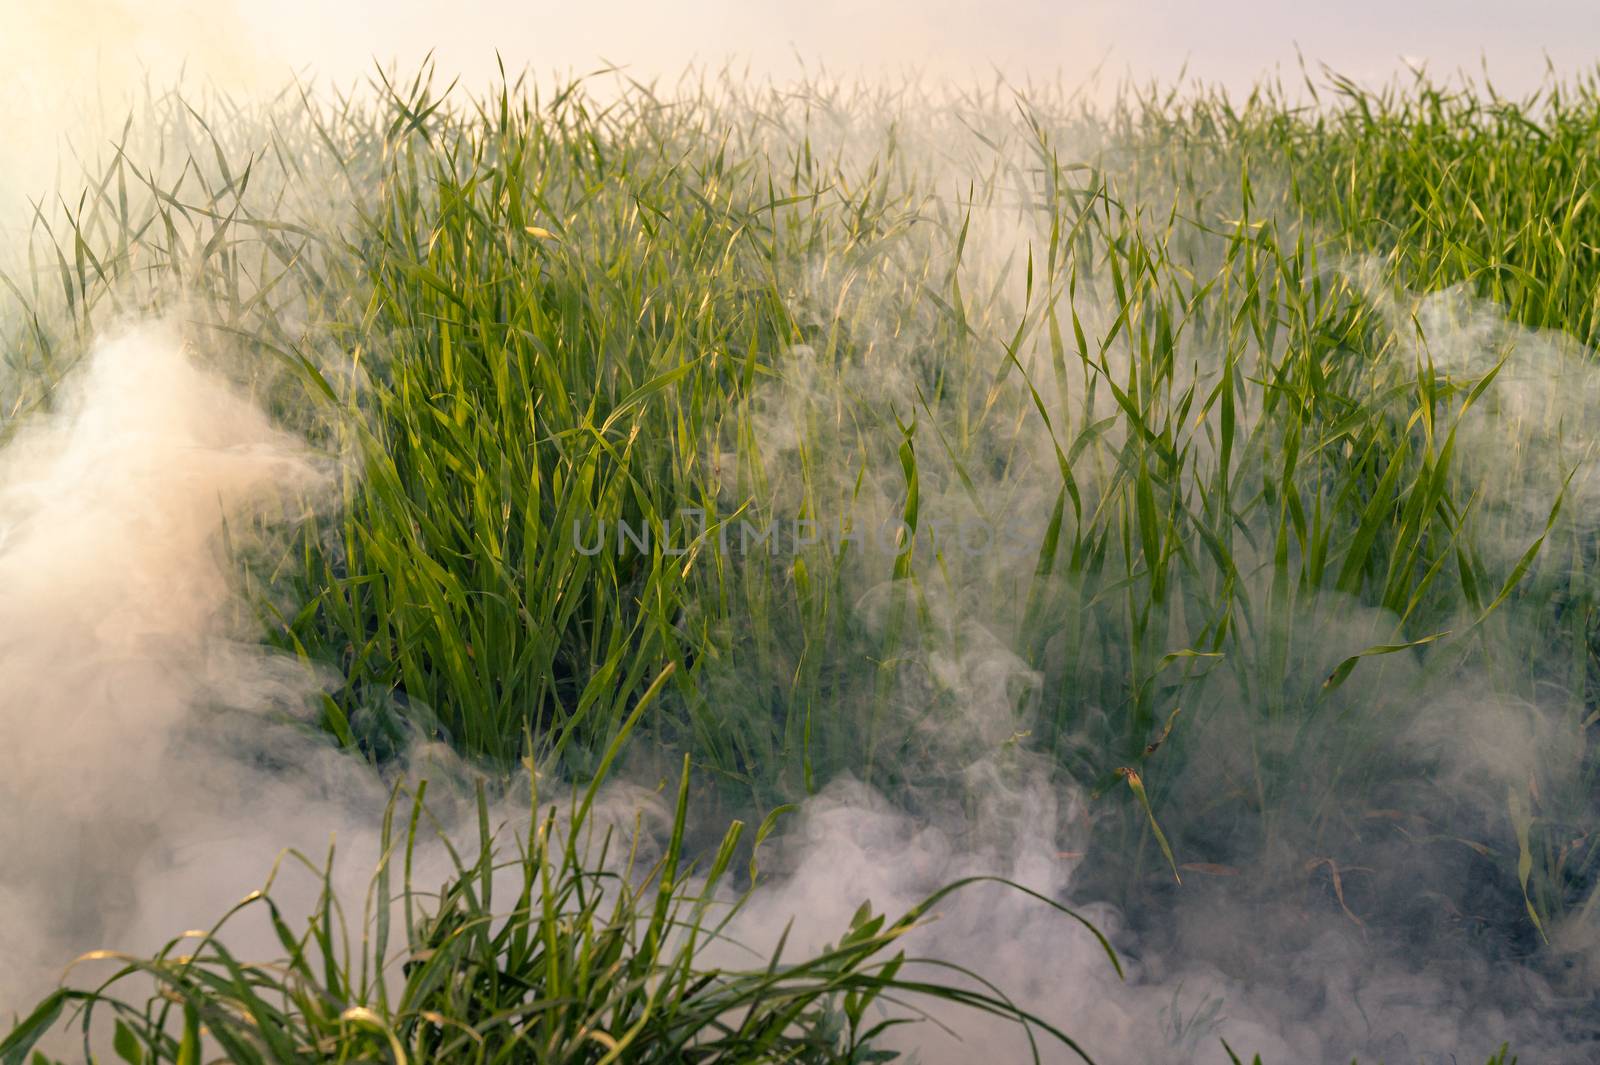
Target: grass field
<point>1223,471</point>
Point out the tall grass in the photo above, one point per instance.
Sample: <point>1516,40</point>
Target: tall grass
<point>1174,341</point>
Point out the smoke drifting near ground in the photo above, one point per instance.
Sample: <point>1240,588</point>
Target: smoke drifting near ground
<point>135,698</point>
<point>124,667</point>
<point>154,762</point>
<point>122,656</point>
<point>1335,911</point>
<point>1286,938</point>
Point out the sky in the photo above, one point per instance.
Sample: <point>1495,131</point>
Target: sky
<point>1229,40</point>
<point>57,57</point>
<point>1226,40</point>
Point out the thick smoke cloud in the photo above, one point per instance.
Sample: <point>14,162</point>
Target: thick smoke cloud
<point>123,659</point>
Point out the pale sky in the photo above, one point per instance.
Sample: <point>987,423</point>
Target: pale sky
<point>1229,40</point>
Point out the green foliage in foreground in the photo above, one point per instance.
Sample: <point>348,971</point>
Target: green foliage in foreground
<point>592,960</point>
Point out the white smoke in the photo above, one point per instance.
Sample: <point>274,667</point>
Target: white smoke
<point>120,653</point>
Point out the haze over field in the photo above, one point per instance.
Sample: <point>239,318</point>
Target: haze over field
<point>62,64</point>
<point>315,391</point>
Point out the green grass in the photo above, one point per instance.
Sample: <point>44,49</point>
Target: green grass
<point>594,959</point>
<point>1179,343</point>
